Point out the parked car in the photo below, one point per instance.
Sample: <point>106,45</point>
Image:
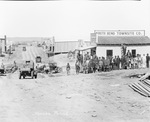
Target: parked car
<point>52,67</point>
<point>28,70</point>
<point>38,59</point>
<point>2,71</point>
<point>24,49</point>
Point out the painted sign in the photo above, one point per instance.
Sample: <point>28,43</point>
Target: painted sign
<point>120,32</point>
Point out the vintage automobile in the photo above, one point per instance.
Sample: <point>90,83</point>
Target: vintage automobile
<point>39,65</point>
<point>2,71</point>
<point>24,49</point>
<point>28,70</point>
<point>38,59</point>
<point>9,68</point>
<point>52,68</point>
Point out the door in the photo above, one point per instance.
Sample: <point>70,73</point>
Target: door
<point>134,53</point>
<point>93,51</point>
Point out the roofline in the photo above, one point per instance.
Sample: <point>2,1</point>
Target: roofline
<point>64,41</point>
<point>87,48</point>
<point>142,44</point>
<point>68,41</point>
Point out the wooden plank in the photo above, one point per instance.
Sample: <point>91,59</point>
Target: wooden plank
<point>144,86</point>
<point>141,89</point>
<point>147,82</point>
<point>137,90</point>
<point>144,76</point>
<point>137,87</point>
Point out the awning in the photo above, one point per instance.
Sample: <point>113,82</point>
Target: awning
<point>49,52</point>
<point>85,48</point>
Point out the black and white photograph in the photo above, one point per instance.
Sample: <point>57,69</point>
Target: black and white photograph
<point>75,61</point>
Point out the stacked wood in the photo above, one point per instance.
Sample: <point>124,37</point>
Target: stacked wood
<point>137,90</point>
<point>142,87</point>
<point>145,76</point>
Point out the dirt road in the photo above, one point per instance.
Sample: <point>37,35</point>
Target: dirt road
<point>75,98</point>
<point>31,53</point>
<point>99,97</point>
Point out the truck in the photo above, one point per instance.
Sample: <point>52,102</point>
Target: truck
<point>38,59</point>
<point>24,49</point>
<point>52,68</point>
<point>28,70</point>
<point>2,71</point>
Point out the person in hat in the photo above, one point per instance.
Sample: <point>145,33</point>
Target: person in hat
<point>68,68</point>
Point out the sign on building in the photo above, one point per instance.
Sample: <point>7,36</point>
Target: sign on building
<point>119,32</point>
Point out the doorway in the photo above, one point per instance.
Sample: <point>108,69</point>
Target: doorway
<point>134,53</point>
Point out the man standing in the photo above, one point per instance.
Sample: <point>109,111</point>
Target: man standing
<point>118,62</point>
<point>2,66</point>
<point>129,54</point>
<point>88,56</point>
<point>147,60</point>
<point>115,63</point>
<point>68,68</point>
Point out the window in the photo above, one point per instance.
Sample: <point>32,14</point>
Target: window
<point>109,53</point>
<point>134,53</point>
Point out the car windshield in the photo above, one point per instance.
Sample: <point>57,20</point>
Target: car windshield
<point>27,62</point>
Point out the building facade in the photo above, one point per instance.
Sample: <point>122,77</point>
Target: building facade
<point>67,46</point>
<point>109,43</point>
<point>3,45</point>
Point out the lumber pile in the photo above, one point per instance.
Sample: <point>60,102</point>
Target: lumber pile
<point>142,87</point>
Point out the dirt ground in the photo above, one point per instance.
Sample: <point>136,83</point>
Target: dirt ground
<point>96,97</point>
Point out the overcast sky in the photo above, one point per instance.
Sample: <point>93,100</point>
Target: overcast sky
<point>72,20</point>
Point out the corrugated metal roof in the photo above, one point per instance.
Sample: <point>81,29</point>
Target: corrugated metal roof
<point>118,40</point>
<point>66,46</point>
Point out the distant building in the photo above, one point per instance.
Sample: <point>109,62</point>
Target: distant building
<point>50,45</point>
<point>67,46</point>
<point>3,45</point>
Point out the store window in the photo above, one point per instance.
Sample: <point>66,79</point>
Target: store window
<point>109,53</point>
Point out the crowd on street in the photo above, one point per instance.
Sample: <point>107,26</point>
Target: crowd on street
<point>88,64</point>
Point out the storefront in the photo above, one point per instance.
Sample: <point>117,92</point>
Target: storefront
<point>109,43</point>
<point>112,46</point>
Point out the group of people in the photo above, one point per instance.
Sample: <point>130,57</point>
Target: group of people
<point>124,62</point>
<point>127,61</point>
<point>87,63</point>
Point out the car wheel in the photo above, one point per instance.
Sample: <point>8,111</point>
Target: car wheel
<point>24,76</point>
<point>32,74</point>
<point>35,76</point>
<point>19,76</point>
